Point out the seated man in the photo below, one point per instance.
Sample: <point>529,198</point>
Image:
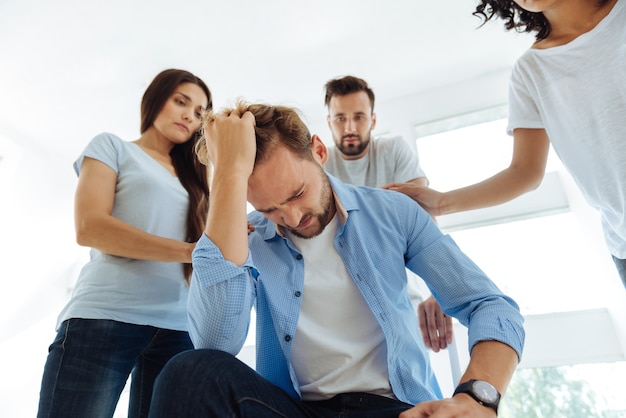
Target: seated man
<point>324,269</point>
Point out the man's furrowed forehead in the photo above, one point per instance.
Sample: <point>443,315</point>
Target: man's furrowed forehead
<point>288,197</point>
<point>277,179</point>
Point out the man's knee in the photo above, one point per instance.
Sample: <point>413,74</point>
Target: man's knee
<point>188,361</point>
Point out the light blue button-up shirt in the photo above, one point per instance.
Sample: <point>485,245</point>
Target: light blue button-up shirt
<point>380,233</point>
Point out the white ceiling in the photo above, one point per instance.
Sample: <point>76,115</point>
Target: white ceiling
<point>70,69</point>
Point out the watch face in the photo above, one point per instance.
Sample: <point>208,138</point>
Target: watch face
<point>485,392</point>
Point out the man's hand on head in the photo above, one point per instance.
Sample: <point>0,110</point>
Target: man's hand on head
<point>231,141</point>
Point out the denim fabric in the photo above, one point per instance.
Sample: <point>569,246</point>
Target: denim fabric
<point>211,383</point>
<point>89,363</point>
<point>621,268</point>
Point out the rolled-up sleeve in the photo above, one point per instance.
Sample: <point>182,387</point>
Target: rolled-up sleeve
<point>463,290</point>
<point>221,296</point>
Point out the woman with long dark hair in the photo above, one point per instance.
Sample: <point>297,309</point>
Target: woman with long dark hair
<point>140,206</point>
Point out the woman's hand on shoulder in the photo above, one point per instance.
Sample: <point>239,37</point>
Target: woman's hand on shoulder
<point>430,199</point>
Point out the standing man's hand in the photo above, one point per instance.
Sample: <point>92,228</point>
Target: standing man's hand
<point>436,327</point>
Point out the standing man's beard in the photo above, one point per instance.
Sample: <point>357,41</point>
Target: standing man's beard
<point>353,148</point>
<point>327,204</point>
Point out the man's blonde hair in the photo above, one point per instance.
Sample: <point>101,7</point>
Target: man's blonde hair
<point>274,125</point>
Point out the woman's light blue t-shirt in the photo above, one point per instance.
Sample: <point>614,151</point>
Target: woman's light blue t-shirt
<point>140,292</point>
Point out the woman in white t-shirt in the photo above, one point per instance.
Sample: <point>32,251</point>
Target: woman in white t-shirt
<point>568,90</point>
<point>140,206</point>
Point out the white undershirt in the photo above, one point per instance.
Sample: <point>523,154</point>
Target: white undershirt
<point>339,346</point>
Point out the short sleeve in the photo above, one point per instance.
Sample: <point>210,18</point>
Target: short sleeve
<point>407,165</point>
<point>523,111</point>
<point>104,147</point>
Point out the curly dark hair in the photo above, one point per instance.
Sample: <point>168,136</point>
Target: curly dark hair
<point>515,17</point>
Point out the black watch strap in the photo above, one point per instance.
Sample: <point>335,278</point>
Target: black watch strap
<point>483,392</point>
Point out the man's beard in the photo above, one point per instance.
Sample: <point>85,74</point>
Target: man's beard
<point>325,203</point>
<point>353,148</point>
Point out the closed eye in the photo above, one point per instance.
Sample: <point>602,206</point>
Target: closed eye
<point>289,200</point>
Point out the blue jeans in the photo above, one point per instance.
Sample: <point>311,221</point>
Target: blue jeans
<point>621,268</point>
<point>211,383</point>
<point>89,363</point>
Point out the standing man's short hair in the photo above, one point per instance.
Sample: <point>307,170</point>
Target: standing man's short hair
<point>347,85</point>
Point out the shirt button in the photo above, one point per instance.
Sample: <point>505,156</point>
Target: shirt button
<point>287,338</point>
<point>299,257</point>
<point>298,294</point>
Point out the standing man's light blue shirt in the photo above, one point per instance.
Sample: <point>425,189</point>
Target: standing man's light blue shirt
<point>380,233</point>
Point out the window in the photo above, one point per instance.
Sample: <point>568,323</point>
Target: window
<point>579,391</point>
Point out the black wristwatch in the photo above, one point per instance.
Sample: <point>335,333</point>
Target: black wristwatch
<point>483,392</point>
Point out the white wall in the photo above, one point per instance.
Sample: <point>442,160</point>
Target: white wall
<point>39,262</point>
